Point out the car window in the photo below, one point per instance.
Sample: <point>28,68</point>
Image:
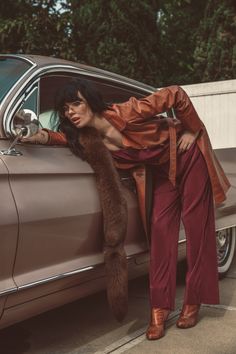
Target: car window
<point>31,101</point>
<point>115,92</point>
<point>49,85</point>
<point>11,69</point>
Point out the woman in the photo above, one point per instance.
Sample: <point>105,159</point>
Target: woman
<point>185,174</point>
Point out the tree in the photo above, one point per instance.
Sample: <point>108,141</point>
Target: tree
<point>120,36</point>
<point>215,53</point>
<point>35,27</point>
<point>178,21</point>
<point>159,42</point>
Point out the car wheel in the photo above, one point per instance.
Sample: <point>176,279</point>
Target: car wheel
<point>225,240</point>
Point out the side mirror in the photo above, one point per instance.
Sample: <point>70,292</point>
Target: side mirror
<point>24,124</point>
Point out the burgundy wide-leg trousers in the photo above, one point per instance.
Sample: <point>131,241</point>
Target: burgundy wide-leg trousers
<point>190,200</point>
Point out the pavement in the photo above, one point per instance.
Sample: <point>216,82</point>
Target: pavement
<point>215,332</point>
<point>87,326</point>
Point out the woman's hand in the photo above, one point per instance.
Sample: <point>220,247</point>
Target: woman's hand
<point>186,140</point>
<point>41,137</point>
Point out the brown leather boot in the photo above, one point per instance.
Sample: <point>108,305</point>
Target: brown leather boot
<point>156,327</point>
<point>188,317</point>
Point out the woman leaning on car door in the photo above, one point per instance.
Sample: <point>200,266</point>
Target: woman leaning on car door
<point>186,178</point>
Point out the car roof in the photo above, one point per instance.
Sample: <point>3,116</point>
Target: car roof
<point>41,61</point>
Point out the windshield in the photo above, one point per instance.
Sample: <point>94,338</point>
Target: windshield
<point>11,69</point>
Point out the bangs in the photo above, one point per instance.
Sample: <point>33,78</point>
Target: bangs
<point>66,95</point>
<point>69,94</point>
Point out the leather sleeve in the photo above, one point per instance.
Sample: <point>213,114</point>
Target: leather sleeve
<point>56,138</point>
<point>138,110</point>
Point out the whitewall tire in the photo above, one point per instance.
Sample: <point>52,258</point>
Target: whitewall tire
<point>225,240</point>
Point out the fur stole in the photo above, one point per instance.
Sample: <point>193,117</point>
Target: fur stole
<point>114,210</point>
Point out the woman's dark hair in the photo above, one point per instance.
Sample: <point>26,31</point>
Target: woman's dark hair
<point>69,93</point>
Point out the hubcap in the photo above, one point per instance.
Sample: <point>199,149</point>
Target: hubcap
<point>223,242</point>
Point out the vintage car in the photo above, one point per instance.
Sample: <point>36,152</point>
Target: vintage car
<point>51,237</point>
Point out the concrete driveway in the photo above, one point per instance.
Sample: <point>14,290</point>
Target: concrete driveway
<point>87,327</point>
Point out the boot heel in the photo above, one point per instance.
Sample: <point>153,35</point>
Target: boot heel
<point>156,329</point>
<point>188,317</point>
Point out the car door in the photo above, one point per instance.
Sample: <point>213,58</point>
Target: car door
<point>60,219</point>
<point>8,236</point>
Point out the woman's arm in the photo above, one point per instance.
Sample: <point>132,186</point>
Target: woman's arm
<point>160,101</point>
<point>47,137</point>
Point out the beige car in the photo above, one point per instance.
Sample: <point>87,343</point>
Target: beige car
<point>50,216</point>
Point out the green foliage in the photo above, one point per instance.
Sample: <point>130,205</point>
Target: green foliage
<point>118,36</point>
<point>215,53</point>
<point>178,21</point>
<point>33,26</point>
<point>155,41</point>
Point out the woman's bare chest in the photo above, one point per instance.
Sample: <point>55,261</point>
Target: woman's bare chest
<point>113,139</point>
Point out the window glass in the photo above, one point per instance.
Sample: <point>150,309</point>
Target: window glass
<point>115,92</point>
<point>11,69</point>
<point>31,101</point>
<point>50,84</point>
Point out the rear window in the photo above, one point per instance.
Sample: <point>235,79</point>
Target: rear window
<point>11,69</point>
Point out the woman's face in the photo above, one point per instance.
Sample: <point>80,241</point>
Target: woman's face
<point>79,112</point>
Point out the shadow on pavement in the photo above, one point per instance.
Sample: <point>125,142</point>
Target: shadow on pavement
<point>14,340</point>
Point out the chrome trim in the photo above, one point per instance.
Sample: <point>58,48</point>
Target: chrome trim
<point>58,277</point>
<point>8,127</point>
<point>55,277</point>
<point>8,291</point>
<point>73,272</point>
<point>11,152</point>
<point>18,56</point>
<point>16,83</point>
<point>31,88</point>
<point>137,254</point>
<point>225,228</point>
<point>182,241</point>
<point>76,70</point>
<point>11,111</point>
<point>46,280</point>
<point>67,69</point>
